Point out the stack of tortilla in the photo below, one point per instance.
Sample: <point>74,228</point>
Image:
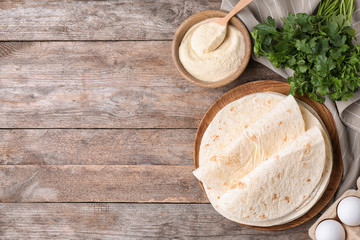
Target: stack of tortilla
<point>265,159</point>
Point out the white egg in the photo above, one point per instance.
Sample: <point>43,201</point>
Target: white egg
<point>348,211</point>
<point>330,230</point>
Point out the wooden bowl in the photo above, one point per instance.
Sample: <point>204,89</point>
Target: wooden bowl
<point>191,21</point>
<point>323,112</point>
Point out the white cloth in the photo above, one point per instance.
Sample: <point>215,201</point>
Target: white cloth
<point>346,114</point>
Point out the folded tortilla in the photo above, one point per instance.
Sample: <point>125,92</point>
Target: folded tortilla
<point>280,184</point>
<point>281,125</point>
<point>311,119</point>
<point>231,121</point>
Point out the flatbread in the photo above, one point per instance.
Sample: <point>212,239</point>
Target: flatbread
<point>229,123</point>
<point>281,125</point>
<point>282,183</point>
<point>311,119</point>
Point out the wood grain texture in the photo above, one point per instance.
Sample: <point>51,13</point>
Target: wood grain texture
<point>96,146</point>
<point>128,221</point>
<point>326,117</point>
<point>102,85</point>
<point>96,20</point>
<point>94,183</point>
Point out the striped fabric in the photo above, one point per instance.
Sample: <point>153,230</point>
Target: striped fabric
<point>346,114</point>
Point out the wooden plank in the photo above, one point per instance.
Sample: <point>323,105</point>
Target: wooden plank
<point>102,85</point>
<point>99,183</point>
<point>128,221</point>
<point>97,146</point>
<point>96,20</point>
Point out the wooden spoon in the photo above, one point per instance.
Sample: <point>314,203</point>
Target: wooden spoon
<point>239,6</point>
<point>207,38</point>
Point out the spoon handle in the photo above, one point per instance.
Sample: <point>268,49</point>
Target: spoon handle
<point>240,5</point>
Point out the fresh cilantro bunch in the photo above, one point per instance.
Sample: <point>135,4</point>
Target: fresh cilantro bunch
<point>319,48</point>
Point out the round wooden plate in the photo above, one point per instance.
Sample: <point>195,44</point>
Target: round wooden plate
<point>325,115</point>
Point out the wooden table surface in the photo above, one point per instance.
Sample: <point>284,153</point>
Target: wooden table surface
<point>97,126</point>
